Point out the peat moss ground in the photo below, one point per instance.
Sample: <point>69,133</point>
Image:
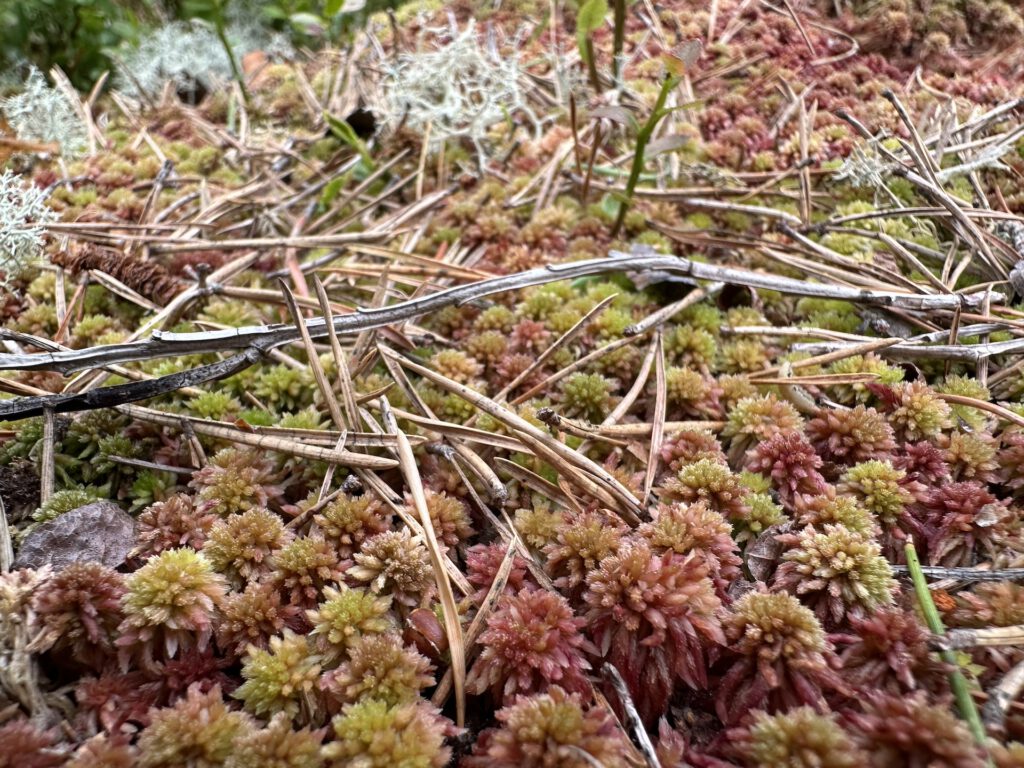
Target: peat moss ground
<point>551,486</point>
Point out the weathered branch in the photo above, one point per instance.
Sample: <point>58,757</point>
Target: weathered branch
<point>266,337</point>
<point>965,574</point>
<point>109,397</point>
<point>957,353</point>
<point>993,714</point>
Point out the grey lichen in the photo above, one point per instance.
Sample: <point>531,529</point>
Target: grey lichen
<point>44,114</point>
<point>24,215</point>
<point>190,55</point>
<point>459,90</point>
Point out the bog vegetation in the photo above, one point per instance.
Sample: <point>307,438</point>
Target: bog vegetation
<point>512,384</point>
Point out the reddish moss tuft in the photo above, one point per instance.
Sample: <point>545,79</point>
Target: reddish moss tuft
<point>26,746</point>
<point>583,540</point>
<point>655,618</point>
<point>712,483</point>
<point>907,730</point>
<point>838,572</point>
<point>172,523</point>
<point>349,521</point>
<point>550,729</point>
<point>253,617</point>
<point>890,651</point>
<point>239,545</point>
<point>791,463</point>
<point>199,730</point>
<point>800,738</point>
<point>397,564</point>
<point>78,611</point>
<point>236,480</point>
<point>695,528</point>
<point>687,446</point>
<point>379,667</point>
<point>304,567</point>
<point>848,437</point>
<point>483,561</point>
<point>532,641</point>
<point>781,658</point>
<point>966,521</point>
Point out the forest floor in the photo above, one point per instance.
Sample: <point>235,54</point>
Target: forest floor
<point>470,394</point>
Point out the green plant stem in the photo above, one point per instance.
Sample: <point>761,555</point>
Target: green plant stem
<point>642,138</point>
<point>618,39</point>
<point>957,681</point>
<point>595,79</point>
<point>222,35</point>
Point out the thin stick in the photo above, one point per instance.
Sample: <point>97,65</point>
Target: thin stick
<point>669,311</point>
<point>476,627</point>
<point>983,405</point>
<point>636,725</point>
<point>344,376</point>
<point>453,628</point>
<point>966,574</point>
<point>993,714</point>
<point>562,340</point>
<point>317,453</point>
<point>314,359</point>
<point>984,637</point>
<point>629,504</point>
<point>576,365</point>
<point>49,449</point>
<point>658,423</point>
<point>6,545</point>
<point>267,337</point>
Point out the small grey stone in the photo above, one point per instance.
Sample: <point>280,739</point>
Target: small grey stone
<point>100,532</point>
<point>766,551</point>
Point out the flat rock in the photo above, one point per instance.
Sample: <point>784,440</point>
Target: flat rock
<point>100,532</point>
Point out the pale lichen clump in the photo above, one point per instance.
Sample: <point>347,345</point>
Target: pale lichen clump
<point>39,113</point>
<point>459,90</point>
<point>24,215</point>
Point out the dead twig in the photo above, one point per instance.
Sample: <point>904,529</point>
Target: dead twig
<point>264,338</point>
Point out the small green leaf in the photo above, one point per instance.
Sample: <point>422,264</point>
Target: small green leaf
<point>610,205</point>
<point>347,134</point>
<point>589,18</point>
<point>331,191</point>
<point>591,15</point>
<point>307,23</point>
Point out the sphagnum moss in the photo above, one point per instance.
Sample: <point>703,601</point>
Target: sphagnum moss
<point>282,609</point>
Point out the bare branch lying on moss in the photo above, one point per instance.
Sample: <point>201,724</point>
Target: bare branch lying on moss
<point>909,352</point>
<point>956,639</point>
<point>266,337</point>
<point>109,397</point>
<point>965,574</point>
